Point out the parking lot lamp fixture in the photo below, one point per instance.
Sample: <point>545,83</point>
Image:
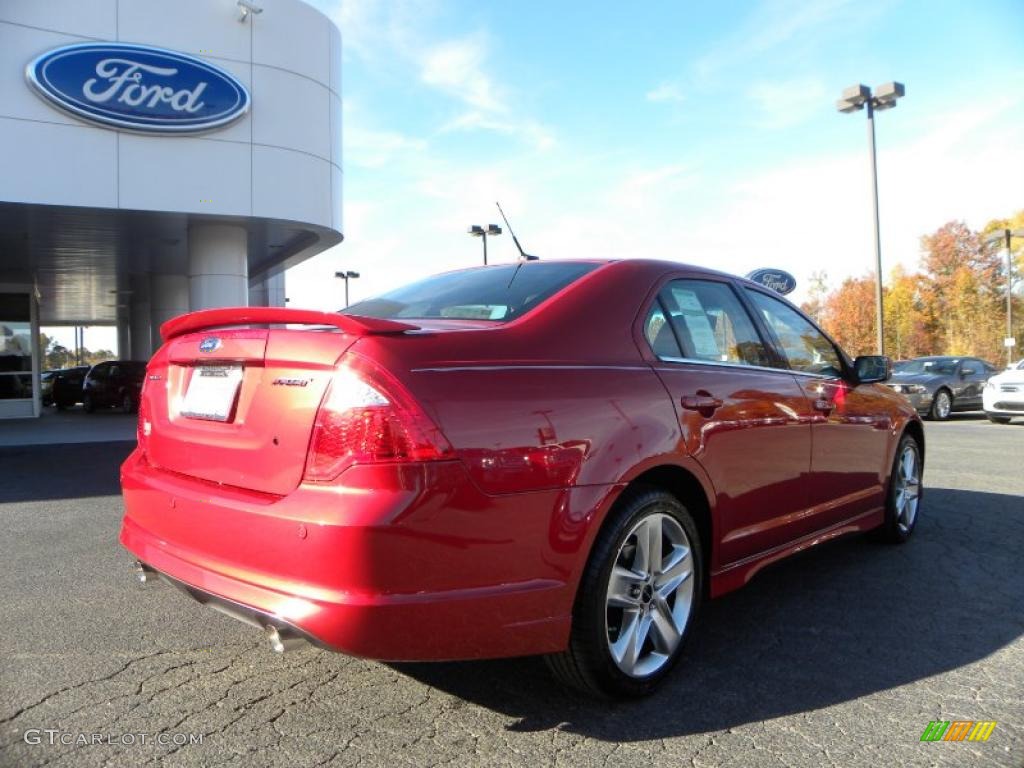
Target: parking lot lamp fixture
<point>1006,236</point>
<point>854,99</point>
<point>346,276</point>
<point>477,231</point>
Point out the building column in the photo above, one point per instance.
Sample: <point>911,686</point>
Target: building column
<point>267,290</point>
<point>168,298</point>
<point>124,336</point>
<point>140,319</point>
<point>218,266</point>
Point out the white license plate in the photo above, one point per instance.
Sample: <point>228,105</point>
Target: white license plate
<point>211,392</point>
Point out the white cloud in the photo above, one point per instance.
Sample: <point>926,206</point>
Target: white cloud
<point>788,103</point>
<point>530,131</point>
<point>665,93</point>
<point>456,67</point>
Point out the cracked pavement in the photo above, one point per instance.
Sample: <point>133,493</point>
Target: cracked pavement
<point>839,657</point>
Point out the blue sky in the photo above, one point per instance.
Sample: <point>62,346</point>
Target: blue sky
<point>699,132</point>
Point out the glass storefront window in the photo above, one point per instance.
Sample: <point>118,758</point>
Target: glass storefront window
<point>15,347</point>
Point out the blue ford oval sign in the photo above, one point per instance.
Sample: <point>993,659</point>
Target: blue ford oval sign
<point>209,344</point>
<point>138,88</point>
<point>776,279</point>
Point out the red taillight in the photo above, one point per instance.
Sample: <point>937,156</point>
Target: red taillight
<point>366,417</point>
<point>144,426</point>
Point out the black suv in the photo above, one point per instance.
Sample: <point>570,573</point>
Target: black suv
<point>114,383</point>
<point>66,386</point>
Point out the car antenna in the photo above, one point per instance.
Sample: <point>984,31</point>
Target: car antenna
<point>523,254</point>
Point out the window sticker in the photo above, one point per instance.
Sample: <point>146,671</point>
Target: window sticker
<point>697,323</point>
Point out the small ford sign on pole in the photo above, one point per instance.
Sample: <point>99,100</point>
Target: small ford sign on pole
<point>138,88</point>
<point>778,280</point>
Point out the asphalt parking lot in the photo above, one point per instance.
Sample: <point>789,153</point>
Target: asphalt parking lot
<point>838,657</point>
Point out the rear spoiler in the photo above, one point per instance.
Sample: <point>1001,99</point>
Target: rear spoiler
<point>206,319</point>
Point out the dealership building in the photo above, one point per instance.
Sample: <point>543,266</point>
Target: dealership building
<point>157,158</point>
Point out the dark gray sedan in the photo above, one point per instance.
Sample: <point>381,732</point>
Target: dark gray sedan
<point>937,386</point>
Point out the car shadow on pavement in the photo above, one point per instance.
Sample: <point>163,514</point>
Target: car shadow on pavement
<point>839,622</point>
<point>61,471</point>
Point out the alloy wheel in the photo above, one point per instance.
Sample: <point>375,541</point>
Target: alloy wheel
<point>650,595</point>
<point>908,487</point>
<point>942,405</point>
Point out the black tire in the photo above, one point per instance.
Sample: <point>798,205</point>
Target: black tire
<point>87,404</point>
<point>128,404</point>
<point>587,664</point>
<point>998,419</point>
<point>895,530</point>
<point>937,412</point>
<point>60,405</point>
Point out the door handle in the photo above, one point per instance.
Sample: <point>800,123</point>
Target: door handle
<point>703,402</point>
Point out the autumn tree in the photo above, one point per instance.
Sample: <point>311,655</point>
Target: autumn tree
<point>849,315</point>
<point>905,332</point>
<point>960,301</point>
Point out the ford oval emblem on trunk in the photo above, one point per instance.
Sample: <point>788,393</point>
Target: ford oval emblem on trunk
<point>138,87</point>
<point>778,280</point>
<point>209,344</point>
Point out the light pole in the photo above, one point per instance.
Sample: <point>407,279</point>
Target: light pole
<point>477,231</point>
<point>346,276</point>
<point>1006,235</point>
<point>855,98</point>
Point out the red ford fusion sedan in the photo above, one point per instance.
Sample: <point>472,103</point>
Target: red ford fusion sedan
<point>559,457</point>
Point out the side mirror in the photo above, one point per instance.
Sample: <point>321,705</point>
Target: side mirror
<point>872,368</point>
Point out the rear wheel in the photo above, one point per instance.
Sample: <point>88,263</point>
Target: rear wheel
<point>942,405</point>
<point>637,598</point>
<point>904,495</point>
<point>128,403</point>
<point>998,419</point>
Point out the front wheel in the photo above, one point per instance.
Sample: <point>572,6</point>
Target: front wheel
<point>128,403</point>
<point>942,406</point>
<point>904,497</point>
<point>637,598</point>
<point>88,404</point>
<point>998,419</point>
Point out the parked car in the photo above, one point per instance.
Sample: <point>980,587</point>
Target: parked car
<point>1003,396</point>
<point>115,383</point>
<point>66,386</point>
<point>572,476</point>
<point>939,385</point>
<point>46,387</point>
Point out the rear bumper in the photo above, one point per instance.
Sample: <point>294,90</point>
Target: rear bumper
<point>407,562</point>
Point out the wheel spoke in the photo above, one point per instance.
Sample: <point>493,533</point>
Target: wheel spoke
<point>642,558</point>
<point>621,588</point>
<point>665,634</point>
<point>654,553</point>
<point>908,464</point>
<point>677,570</point>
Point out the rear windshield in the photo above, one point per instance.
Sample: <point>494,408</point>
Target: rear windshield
<point>490,293</point>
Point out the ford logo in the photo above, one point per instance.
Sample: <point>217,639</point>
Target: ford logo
<point>776,279</point>
<point>138,88</point>
<point>209,344</point>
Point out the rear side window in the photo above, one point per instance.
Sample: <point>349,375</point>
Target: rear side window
<point>710,323</point>
<point>499,293</point>
<point>659,333</point>
<point>806,347</point>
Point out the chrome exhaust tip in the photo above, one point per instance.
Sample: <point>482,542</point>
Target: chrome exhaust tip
<point>282,640</point>
<point>144,573</point>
